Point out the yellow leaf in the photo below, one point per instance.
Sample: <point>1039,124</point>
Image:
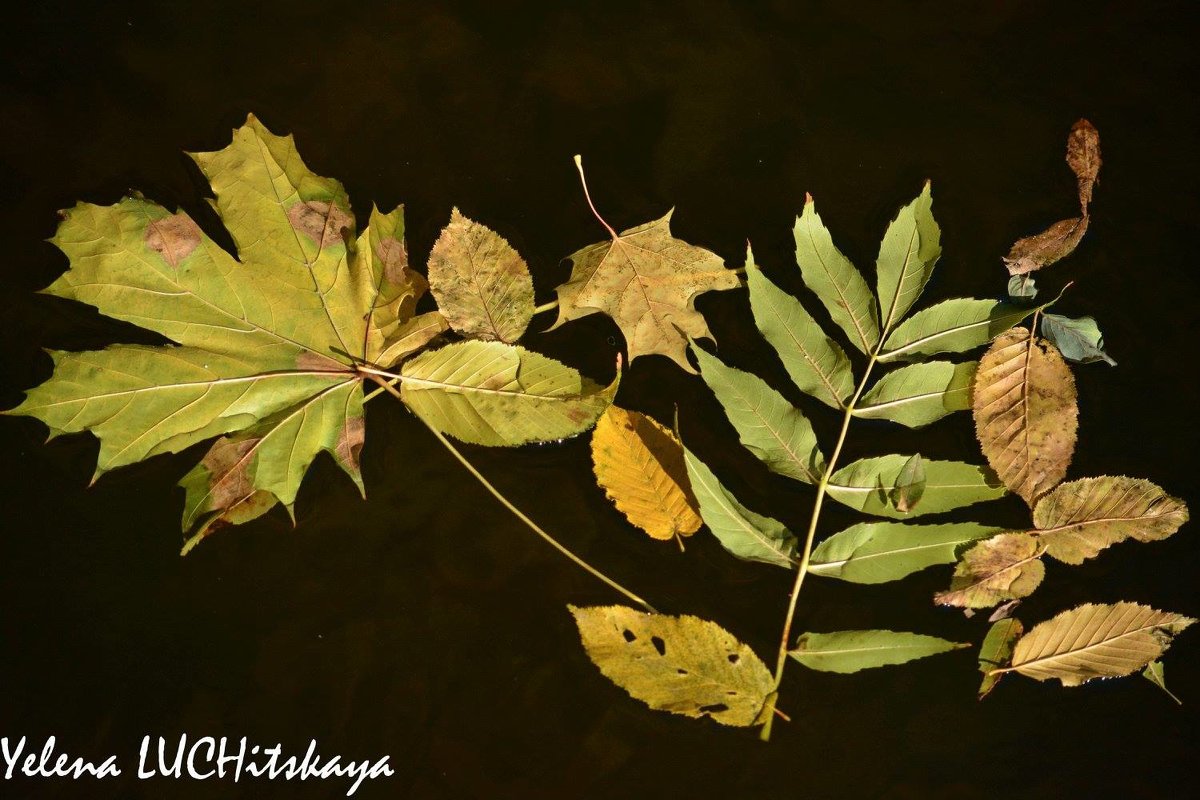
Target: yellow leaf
<point>639,464</point>
<point>1004,567</point>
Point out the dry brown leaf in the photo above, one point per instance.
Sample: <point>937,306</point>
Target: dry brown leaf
<point>647,281</point>
<point>1043,249</point>
<point>639,464</point>
<point>1025,410</point>
<point>1083,156</point>
<point>1004,567</point>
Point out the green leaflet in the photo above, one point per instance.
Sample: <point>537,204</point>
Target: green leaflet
<point>816,363</point>
<point>996,650</point>
<point>1022,287</point>
<point>768,425</point>
<point>747,535</point>
<point>878,552</point>
<point>919,394</point>
<point>1155,673</point>
<point>1078,340</point>
<point>953,326</point>
<point>911,247</point>
<point>851,651</point>
<point>497,394</point>
<point>865,485</point>
<point>833,279</point>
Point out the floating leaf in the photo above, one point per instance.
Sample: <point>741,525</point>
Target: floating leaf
<point>499,394</point>
<point>767,424</point>
<point>1080,518</point>
<point>877,552</point>
<point>1078,340</point>
<point>833,279</point>
<point>1083,156</point>
<point>1025,412</point>
<point>865,485</point>
<point>685,665</point>
<point>1001,568</point>
<point>910,485</point>
<point>1155,674</point>
<point>910,249</point>
<point>996,650</point>
<point>850,651</point>
<point>953,326</point>
<point>1043,249</point>
<point>816,363</point>
<point>747,535</point>
<point>647,281</point>
<point>1096,641</point>
<point>639,464</point>
<point>1022,287</point>
<point>919,394</point>
<point>481,283</point>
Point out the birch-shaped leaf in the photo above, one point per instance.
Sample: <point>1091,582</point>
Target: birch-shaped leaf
<point>996,651</point>
<point>1004,567</point>
<point>268,343</point>
<point>685,665</point>
<point>919,394</point>
<point>878,552</point>
<point>953,326</point>
<point>911,247</point>
<point>1096,641</point>
<point>1078,340</point>
<point>767,424</point>
<point>1080,518</point>
<point>481,283</point>
<point>1156,674</point>
<point>866,485</point>
<point>647,281</point>
<point>498,394</point>
<point>1025,412</point>
<point>851,651</point>
<point>639,464</point>
<point>834,280</point>
<point>817,364</point>
<point>743,533</point>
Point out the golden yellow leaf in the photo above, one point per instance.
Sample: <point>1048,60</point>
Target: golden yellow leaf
<point>1026,416</point>
<point>639,464</point>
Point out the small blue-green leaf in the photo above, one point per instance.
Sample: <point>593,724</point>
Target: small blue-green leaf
<point>1078,340</point>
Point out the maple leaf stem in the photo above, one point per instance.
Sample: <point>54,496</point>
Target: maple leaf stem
<point>504,501</point>
<point>587,194</point>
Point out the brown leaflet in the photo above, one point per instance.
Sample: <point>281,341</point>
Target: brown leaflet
<point>173,237</point>
<point>1083,156</point>
<point>1043,249</point>
<point>1004,567</point>
<point>320,221</point>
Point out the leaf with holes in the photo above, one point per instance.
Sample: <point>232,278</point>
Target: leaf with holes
<point>1025,411</point>
<point>1004,567</point>
<point>639,464</point>
<point>1096,641</point>
<point>685,665</point>
<point>851,651</point>
<point>264,346</point>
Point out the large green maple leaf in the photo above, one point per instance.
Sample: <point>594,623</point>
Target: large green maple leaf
<point>266,348</point>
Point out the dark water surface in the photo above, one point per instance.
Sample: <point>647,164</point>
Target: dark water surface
<point>426,623</point>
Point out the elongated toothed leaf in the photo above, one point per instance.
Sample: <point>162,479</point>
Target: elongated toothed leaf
<point>866,485</point>
<point>953,326</point>
<point>911,247</point>
<point>919,394</point>
<point>851,651</point>
<point>877,552</point>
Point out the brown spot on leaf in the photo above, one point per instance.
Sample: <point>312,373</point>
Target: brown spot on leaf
<point>350,441</point>
<point>325,224</point>
<point>227,463</point>
<point>393,255</point>
<point>319,362</point>
<point>174,237</point>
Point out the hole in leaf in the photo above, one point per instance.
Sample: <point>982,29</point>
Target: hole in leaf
<point>682,671</point>
<point>714,708</point>
<point>629,635</point>
<point>734,658</point>
<point>659,645</point>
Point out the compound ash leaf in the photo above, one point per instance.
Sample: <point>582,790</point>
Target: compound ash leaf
<point>685,665</point>
<point>1096,641</point>
<point>480,282</point>
<point>953,326</point>
<point>910,249</point>
<point>919,394</point>
<point>1025,411</point>
<point>866,485</point>
<point>996,650</point>
<point>639,464</point>
<point>851,651</point>
<point>1078,340</point>
<point>816,364</point>
<point>1001,568</point>
<point>749,536</point>
<point>1080,518</point>
<point>878,552</point>
<point>767,424</point>
<point>834,280</point>
<point>1043,249</point>
<point>647,281</point>
<point>1083,156</point>
<point>498,394</point>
